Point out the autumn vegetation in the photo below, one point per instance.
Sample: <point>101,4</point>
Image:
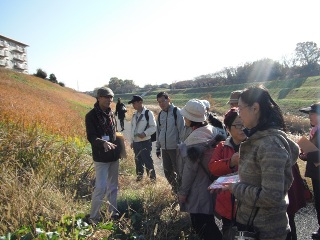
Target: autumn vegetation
<point>46,165</point>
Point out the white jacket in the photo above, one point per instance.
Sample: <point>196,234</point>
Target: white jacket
<point>140,126</point>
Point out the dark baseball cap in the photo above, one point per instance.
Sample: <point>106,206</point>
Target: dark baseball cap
<point>135,98</point>
<point>313,108</point>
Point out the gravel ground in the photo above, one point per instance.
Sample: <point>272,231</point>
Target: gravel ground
<point>306,220</point>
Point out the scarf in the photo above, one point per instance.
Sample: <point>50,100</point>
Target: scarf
<point>105,119</point>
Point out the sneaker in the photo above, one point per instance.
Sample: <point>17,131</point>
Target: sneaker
<point>139,178</point>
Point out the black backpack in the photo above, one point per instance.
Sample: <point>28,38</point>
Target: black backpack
<point>154,135</point>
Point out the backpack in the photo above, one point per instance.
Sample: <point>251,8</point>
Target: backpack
<point>154,135</point>
<point>197,153</point>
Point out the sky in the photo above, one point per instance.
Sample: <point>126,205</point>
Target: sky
<point>85,43</point>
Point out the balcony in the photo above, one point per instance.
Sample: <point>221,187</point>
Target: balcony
<point>18,49</point>
<point>4,53</point>
<point>19,66</point>
<point>3,44</point>
<point>19,58</point>
<point>3,63</point>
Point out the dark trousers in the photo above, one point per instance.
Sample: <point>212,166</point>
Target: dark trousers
<point>169,158</point>
<point>226,225</point>
<point>121,123</point>
<point>142,152</point>
<point>205,226</point>
<point>292,235</point>
<point>316,194</point>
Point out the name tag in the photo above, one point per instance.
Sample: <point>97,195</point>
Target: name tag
<point>106,138</point>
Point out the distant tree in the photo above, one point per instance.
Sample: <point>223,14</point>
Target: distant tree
<point>164,85</point>
<point>121,86</point>
<point>61,84</point>
<point>52,78</point>
<point>307,53</point>
<point>128,86</point>
<point>148,86</point>
<point>114,83</point>
<point>307,56</point>
<point>41,74</point>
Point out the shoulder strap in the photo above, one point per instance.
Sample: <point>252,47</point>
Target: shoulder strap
<point>175,115</point>
<point>159,118</point>
<point>146,115</point>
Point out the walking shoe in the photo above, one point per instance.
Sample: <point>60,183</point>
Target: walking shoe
<point>139,178</point>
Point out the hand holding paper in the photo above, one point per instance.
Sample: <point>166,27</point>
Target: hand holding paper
<point>224,181</point>
<point>307,146</point>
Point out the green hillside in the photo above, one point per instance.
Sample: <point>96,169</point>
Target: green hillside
<point>290,94</point>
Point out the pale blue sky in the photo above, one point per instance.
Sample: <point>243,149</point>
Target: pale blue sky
<point>85,43</point>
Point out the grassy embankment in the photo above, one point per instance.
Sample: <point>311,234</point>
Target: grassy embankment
<point>46,170</point>
<point>46,166</point>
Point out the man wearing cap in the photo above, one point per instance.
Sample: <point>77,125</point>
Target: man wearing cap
<point>141,131</point>
<point>234,98</point>
<point>313,158</point>
<point>101,133</point>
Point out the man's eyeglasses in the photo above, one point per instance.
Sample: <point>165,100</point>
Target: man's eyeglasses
<point>238,126</point>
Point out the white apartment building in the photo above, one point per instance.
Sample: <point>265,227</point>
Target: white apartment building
<point>13,54</point>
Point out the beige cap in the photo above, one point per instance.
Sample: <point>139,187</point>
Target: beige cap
<point>234,97</point>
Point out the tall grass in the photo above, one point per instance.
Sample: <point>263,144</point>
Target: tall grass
<point>40,176</point>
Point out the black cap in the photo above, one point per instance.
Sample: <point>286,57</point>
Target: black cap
<point>313,108</point>
<point>135,98</point>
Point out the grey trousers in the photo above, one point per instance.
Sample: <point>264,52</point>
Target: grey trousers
<point>106,185</point>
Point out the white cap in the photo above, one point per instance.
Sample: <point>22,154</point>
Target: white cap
<point>194,110</point>
<point>205,103</point>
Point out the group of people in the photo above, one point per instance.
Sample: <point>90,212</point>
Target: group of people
<point>195,146</point>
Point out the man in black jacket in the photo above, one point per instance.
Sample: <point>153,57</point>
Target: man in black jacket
<point>101,133</point>
<point>121,112</point>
